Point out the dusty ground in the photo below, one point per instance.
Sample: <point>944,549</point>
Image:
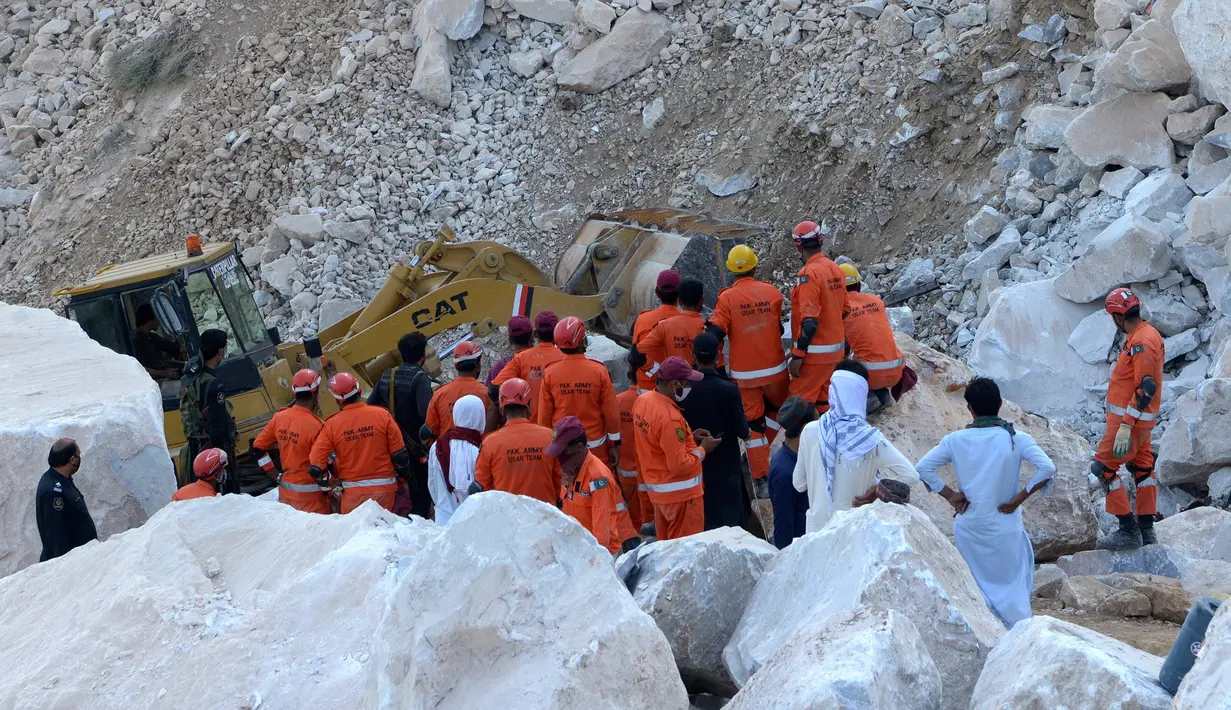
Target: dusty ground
<point>1151,636</point>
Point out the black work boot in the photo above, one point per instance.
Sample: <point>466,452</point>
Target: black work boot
<point>1128,537</point>
<point>1146,524</point>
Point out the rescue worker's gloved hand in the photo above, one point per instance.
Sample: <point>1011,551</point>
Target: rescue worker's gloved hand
<point>474,488</point>
<point>630,544</point>
<point>795,366</point>
<point>1124,440</point>
<point>401,461</point>
<point>319,475</point>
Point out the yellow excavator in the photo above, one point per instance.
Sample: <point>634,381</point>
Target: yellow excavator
<point>605,276</point>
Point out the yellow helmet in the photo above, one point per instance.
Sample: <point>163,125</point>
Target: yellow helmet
<point>852,274</point>
<point>741,259</point>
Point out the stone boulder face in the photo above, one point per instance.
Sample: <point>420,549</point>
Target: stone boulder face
<point>1048,663</point>
<point>1150,60</point>
<point>432,79</point>
<point>855,659</point>
<point>70,386</point>
<point>1060,522</point>
<point>1208,685</point>
<point>233,583</point>
<point>878,557</point>
<point>1201,533</point>
<point>695,588</point>
<point>1020,344</point>
<point>1201,26</point>
<point>1198,441</point>
<point>1131,250</point>
<point>457,19</point>
<point>1198,577</point>
<point>635,40</point>
<point>556,12</point>
<point>517,606</point>
<point>1127,131</point>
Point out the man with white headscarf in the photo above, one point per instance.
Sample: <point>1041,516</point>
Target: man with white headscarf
<point>451,461</point>
<point>841,456</point>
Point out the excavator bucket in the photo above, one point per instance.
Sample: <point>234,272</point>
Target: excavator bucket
<point>620,255</point>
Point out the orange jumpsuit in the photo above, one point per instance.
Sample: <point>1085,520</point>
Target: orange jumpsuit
<point>631,487</point>
<point>293,430</point>
<point>820,293</point>
<point>580,387</point>
<point>197,489</point>
<point>364,438</point>
<point>440,409</point>
<point>750,313</point>
<point>673,337</point>
<point>645,322</point>
<point>870,337</point>
<point>1142,355</point>
<point>512,460</point>
<point>670,462</point>
<point>594,500</point>
<point>529,365</point>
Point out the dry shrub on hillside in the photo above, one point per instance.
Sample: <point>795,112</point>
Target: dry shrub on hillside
<point>161,58</point>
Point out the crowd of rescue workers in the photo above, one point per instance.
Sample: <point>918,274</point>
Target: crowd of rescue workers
<point>663,458</point>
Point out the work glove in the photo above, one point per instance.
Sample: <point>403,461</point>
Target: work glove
<point>1124,440</point>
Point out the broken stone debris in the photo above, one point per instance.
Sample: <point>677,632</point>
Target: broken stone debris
<point>636,38</point>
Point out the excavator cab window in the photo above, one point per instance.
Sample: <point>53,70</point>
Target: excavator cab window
<point>235,290</point>
<point>101,319</point>
<point>162,350</point>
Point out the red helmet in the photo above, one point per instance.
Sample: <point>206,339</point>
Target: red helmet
<point>1122,300</point>
<point>209,464</point>
<point>809,234</point>
<point>306,381</point>
<point>570,333</point>
<point>343,385</point>
<point>467,350</point>
<point>515,391</point>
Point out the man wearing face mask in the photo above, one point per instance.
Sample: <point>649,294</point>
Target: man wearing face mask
<point>588,491</point>
<point>669,455</point>
<point>60,511</point>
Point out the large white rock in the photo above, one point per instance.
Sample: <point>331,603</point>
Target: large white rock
<point>1045,126</point>
<point>1127,130</point>
<point>1060,522</point>
<point>1208,684</point>
<point>1202,26</point>
<point>457,19</point>
<point>281,604</point>
<point>695,588</point>
<point>1093,337</point>
<point>1201,249</point>
<point>1048,663</point>
<point>1132,249</point>
<point>1150,60</point>
<point>432,79</point>
<point>66,385</point>
<point>1198,440</point>
<point>516,606</point>
<point>1163,192</point>
<point>1016,345</point>
<point>635,40</point>
<point>877,557</point>
<point>1203,533</point>
<point>871,659</point>
<point>995,255</point>
<point>557,12</point>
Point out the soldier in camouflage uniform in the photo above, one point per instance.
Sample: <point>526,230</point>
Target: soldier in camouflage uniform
<point>205,411</point>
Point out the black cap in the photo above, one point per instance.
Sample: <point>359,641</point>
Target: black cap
<point>705,347</point>
<point>795,412</point>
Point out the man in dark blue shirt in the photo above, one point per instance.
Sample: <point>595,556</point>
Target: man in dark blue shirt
<point>60,511</point>
<point>790,506</point>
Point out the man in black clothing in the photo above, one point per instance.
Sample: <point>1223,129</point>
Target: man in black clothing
<point>63,520</point>
<point>408,403</point>
<point>159,356</point>
<point>714,404</point>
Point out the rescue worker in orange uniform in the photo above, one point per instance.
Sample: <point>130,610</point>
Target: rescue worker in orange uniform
<point>869,336</point>
<point>513,459</point>
<point>749,315</point>
<point>1134,396</point>
<point>580,387</point>
<point>588,491</point>
<point>292,431</point>
<point>817,303</point>
<point>631,485</point>
<point>529,365</point>
<point>210,468</point>
<point>673,336</point>
<point>467,357</point>
<point>669,456</point>
<point>368,446</point>
<point>668,291</point>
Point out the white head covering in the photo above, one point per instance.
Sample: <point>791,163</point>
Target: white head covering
<point>844,428</point>
<point>469,413</point>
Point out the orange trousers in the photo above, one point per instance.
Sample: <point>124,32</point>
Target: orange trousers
<point>354,497</point>
<point>628,489</point>
<point>676,520</point>
<point>813,383</point>
<point>307,502</point>
<point>1139,461</point>
<point>755,400</point>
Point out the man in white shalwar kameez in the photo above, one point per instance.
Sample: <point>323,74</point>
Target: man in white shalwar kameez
<point>987,456</point>
<point>841,456</point>
<point>449,475</point>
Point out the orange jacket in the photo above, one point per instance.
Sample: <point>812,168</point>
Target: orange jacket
<point>669,457</point>
<point>820,293</point>
<point>595,501</point>
<point>645,322</point>
<point>673,337</point>
<point>199,489</point>
<point>512,460</point>
<point>628,451</point>
<point>1142,355</point>
<point>529,365</point>
<point>364,438</point>
<point>580,387</point>
<point>750,313</point>
<point>870,337</point>
<point>293,430</point>
<point>440,409</point>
